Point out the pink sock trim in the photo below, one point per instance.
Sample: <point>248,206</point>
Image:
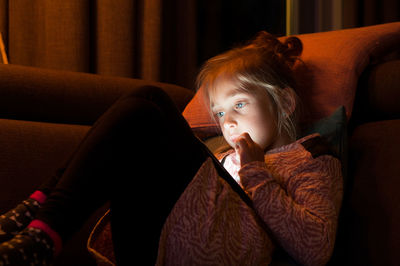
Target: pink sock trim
<point>39,196</point>
<point>49,231</point>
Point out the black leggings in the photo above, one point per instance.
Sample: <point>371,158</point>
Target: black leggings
<point>139,156</point>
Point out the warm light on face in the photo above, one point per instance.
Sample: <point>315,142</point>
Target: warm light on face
<point>238,111</point>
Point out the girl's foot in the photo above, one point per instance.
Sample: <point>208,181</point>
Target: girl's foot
<point>32,246</point>
<point>18,218</point>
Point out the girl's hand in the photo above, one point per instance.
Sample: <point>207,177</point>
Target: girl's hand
<point>248,150</point>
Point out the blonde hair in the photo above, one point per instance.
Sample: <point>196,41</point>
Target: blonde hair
<point>264,63</point>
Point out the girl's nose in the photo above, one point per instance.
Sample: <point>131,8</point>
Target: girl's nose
<point>229,121</point>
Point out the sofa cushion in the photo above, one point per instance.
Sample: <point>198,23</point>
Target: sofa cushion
<point>384,89</point>
<point>378,93</point>
<point>373,219</point>
<point>333,62</point>
<point>30,152</point>
<point>100,243</point>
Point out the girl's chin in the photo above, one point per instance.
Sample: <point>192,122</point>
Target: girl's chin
<point>230,143</point>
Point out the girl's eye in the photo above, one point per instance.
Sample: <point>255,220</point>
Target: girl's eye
<point>220,114</point>
<point>239,105</point>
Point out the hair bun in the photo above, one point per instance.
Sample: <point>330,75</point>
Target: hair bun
<point>288,51</point>
<point>292,48</point>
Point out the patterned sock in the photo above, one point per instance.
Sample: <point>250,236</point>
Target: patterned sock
<point>18,218</point>
<point>32,246</point>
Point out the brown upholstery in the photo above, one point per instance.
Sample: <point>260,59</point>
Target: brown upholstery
<point>374,202</point>
<point>379,92</point>
<point>32,150</point>
<point>67,97</point>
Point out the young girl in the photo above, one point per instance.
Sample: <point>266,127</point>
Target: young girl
<point>294,186</point>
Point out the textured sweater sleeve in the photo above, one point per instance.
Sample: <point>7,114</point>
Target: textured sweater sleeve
<point>302,213</point>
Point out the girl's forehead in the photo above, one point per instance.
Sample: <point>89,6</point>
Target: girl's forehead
<point>229,88</point>
<point>226,86</point>
<point>226,95</point>
<point>225,90</point>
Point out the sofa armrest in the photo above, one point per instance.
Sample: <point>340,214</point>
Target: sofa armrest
<point>35,94</point>
<point>378,93</point>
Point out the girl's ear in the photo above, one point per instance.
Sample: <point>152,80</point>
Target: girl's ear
<point>290,101</point>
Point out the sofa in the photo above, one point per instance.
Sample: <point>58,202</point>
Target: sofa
<point>45,113</point>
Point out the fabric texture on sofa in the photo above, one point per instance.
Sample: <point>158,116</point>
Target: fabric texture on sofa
<point>370,233</point>
<point>374,210</point>
<point>29,148</point>
<point>67,97</point>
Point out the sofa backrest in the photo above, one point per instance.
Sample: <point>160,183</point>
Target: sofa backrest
<point>37,94</point>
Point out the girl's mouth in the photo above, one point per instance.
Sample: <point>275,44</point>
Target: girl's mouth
<point>233,138</point>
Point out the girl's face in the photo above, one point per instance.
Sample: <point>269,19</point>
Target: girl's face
<point>238,112</point>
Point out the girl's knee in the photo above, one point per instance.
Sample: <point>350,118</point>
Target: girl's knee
<point>153,95</point>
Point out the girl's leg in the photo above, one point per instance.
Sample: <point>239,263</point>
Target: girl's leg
<point>140,155</point>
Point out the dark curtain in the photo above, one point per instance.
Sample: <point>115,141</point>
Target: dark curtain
<point>358,13</point>
<point>150,39</point>
<point>223,24</point>
<point>325,15</point>
<point>110,37</point>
